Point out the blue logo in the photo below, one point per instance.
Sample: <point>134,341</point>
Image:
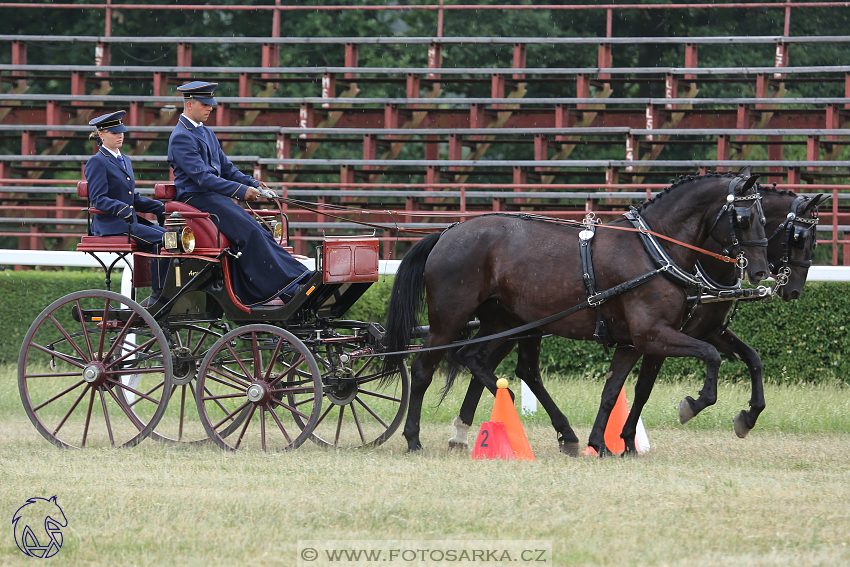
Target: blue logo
<point>38,527</point>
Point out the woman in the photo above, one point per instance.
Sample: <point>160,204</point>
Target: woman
<point>112,190</point>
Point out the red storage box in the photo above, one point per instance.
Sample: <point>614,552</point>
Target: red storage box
<point>350,260</point>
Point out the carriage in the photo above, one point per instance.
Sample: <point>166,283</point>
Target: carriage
<point>97,368</point>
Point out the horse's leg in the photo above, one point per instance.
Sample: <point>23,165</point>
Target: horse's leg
<point>528,370</point>
<point>649,368</point>
<point>621,364</point>
<point>422,372</point>
<point>730,344</point>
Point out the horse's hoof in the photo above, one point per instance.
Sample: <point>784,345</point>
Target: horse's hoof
<point>458,446</point>
<point>741,429</point>
<point>570,449</point>
<point>685,412</point>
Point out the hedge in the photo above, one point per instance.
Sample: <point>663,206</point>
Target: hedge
<point>799,341</point>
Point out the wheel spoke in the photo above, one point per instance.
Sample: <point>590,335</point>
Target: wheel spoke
<point>382,396</point>
<point>85,330</point>
<point>106,417</point>
<point>326,412</point>
<point>273,359</point>
<point>73,406</point>
<point>218,403</point>
<point>149,392</point>
<point>339,425</point>
<point>258,364</point>
<point>370,410</point>
<point>132,352</point>
<point>131,415</point>
<point>182,410</point>
<point>68,338</point>
<point>245,427</point>
<point>103,329</point>
<point>230,415</point>
<point>263,426</point>
<point>135,391</point>
<point>290,408</point>
<point>280,425</point>
<point>238,361</point>
<point>57,396</point>
<point>120,338</point>
<point>220,371</point>
<point>357,422</point>
<point>88,419</point>
<point>291,367</point>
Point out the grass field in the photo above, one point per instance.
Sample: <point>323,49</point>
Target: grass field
<point>699,497</point>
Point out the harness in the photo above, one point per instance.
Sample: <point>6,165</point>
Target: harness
<point>794,235</point>
<point>739,218</point>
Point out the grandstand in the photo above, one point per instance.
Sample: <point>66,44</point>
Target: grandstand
<point>435,143</point>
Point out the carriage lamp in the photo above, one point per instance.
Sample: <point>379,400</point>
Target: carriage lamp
<point>178,237</point>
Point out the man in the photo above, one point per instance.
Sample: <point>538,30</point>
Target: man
<point>206,179</point>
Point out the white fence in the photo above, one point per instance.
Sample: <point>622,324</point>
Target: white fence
<point>389,267</point>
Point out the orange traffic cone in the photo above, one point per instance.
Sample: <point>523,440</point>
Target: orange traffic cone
<point>504,411</point>
<point>492,442</point>
<point>616,421</point>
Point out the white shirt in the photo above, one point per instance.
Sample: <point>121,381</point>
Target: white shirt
<point>114,154</point>
<point>195,124</point>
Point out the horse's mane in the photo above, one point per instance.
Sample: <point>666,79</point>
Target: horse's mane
<point>773,189</point>
<point>683,179</point>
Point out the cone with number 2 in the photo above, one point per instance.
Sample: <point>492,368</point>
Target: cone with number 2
<point>503,436</point>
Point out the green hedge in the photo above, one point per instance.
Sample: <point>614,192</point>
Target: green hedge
<point>799,341</point>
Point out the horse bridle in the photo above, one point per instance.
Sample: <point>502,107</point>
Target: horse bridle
<point>795,236</point>
<point>740,218</point>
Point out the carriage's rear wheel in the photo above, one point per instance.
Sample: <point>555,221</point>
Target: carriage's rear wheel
<point>245,384</point>
<point>361,408</point>
<point>180,423</point>
<point>94,370</point>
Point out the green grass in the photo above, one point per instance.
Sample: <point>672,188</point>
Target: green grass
<point>699,497</point>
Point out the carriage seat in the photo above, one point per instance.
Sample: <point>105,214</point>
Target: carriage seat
<point>91,243</point>
<point>208,240</point>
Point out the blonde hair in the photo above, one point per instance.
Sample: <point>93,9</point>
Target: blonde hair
<point>94,136</point>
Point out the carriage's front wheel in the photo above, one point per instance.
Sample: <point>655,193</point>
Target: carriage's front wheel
<point>245,384</point>
<point>362,407</point>
<point>94,370</point>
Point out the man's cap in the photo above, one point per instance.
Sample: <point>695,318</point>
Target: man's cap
<point>110,122</point>
<point>200,91</point>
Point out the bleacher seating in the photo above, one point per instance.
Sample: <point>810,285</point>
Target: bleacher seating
<point>432,158</point>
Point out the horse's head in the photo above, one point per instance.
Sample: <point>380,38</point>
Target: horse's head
<point>739,226</point>
<point>792,226</point>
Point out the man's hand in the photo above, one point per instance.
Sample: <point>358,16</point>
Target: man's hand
<point>252,194</point>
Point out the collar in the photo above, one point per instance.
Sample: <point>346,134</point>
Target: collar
<point>114,154</point>
<point>195,124</point>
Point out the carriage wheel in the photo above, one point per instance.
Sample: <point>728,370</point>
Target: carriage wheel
<point>360,409</point>
<point>250,374</point>
<point>97,380</point>
<point>189,345</point>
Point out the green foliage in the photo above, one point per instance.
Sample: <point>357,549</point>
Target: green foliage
<point>803,341</point>
<point>26,294</point>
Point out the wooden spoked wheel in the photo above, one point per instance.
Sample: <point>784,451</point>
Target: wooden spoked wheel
<point>94,370</point>
<point>189,344</point>
<point>361,408</point>
<point>245,385</point>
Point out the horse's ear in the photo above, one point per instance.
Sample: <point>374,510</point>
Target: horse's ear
<point>750,181</point>
<point>818,199</point>
<point>746,171</point>
<point>53,499</point>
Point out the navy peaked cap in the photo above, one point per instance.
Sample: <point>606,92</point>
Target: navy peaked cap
<point>200,91</point>
<point>110,122</point>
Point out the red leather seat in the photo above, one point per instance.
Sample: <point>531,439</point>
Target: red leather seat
<point>207,237</point>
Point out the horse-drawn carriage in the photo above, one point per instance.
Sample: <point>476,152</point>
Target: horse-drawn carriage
<point>98,368</point>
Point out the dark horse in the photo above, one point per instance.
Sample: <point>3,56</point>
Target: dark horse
<point>514,270</point>
<point>791,221</point>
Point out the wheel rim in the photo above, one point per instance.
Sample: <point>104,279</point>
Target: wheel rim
<point>245,383</point>
<point>180,422</point>
<point>361,410</point>
<point>96,380</point>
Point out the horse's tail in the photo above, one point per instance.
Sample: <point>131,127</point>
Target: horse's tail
<point>407,301</point>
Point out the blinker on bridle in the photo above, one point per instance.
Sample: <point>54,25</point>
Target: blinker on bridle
<point>741,218</point>
<point>795,237</point>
